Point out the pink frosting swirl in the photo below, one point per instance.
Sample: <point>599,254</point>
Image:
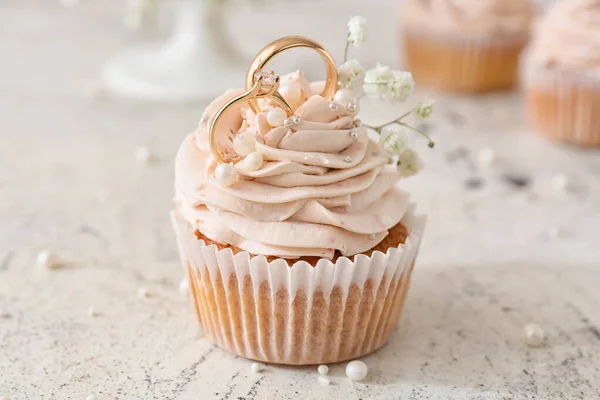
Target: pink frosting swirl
<point>469,17</point>
<point>324,185</point>
<point>569,36</point>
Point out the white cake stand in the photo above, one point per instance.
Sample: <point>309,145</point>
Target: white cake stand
<point>196,63</point>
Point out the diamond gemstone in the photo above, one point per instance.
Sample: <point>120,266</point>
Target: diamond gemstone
<point>268,77</point>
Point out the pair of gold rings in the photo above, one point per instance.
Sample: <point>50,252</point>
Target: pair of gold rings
<point>261,84</point>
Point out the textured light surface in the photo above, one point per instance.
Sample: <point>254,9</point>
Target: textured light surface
<point>69,182</point>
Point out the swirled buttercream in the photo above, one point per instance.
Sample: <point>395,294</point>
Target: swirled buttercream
<point>324,185</point>
<point>469,17</point>
<point>569,36</point>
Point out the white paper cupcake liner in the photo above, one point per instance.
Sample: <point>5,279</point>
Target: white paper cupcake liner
<point>562,105</point>
<point>272,312</point>
<point>458,63</point>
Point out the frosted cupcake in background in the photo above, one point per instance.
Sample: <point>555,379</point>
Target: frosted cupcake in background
<point>465,45</point>
<point>301,250</point>
<point>562,73</point>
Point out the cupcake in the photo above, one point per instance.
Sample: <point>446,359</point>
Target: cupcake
<point>562,73</point>
<point>305,257</point>
<point>465,45</point>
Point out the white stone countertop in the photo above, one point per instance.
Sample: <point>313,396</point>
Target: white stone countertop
<point>507,250</point>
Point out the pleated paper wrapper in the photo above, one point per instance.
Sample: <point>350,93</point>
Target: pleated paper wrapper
<point>463,64</point>
<point>562,105</point>
<point>301,314</point>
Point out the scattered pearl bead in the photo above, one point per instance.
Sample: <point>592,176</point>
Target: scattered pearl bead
<point>554,232</point>
<point>92,312</point>
<point>184,286</point>
<point>323,369</point>
<point>47,259</point>
<point>257,367</point>
<point>225,174</point>
<point>334,106</point>
<point>486,156</point>
<point>296,119</point>
<point>244,143</point>
<point>344,95</point>
<point>353,134</point>
<point>276,116</point>
<point>534,335</point>
<point>356,370</point>
<point>143,293</point>
<point>253,161</point>
<point>348,159</point>
<point>324,381</point>
<point>91,397</point>
<point>351,107</point>
<point>143,154</point>
<point>560,182</point>
<point>371,236</point>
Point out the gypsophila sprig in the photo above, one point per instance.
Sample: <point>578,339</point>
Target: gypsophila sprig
<point>351,75</point>
<point>401,85</point>
<point>409,163</point>
<point>385,83</point>
<point>425,108</point>
<point>357,30</point>
<point>393,140</point>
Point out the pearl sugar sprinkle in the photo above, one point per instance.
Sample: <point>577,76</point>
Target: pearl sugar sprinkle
<point>348,159</point>
<point>253,161</point>
<point>534,335</point>
<point>324,380</point>
<point>351,107</point>
<point>257,367</point>
<point>276,117</point>
<point>323,369</point>
<point>357,370</point>
<point>353,134</point>
<point>47,259</point>
<point>225,174</point>
<point>334,106</point>
<point>244,143</point>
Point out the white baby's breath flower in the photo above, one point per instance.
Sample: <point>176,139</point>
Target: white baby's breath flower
<point>351,75</point>
<point>409,163</point>
<point>401,85</point>
<point>425,108</point>
<point>394,140</point>
<point>356,30</point>
<point>377,80</point>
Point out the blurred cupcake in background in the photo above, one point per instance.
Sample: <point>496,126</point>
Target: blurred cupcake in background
<point>562,73</point>
<point>465,45</point>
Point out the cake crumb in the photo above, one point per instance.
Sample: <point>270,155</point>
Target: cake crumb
<point>143,292</point>
<point>92,312</point>
<point>324,380</point>
<point>257,367</point>
<point>561,182</point>
<point>91,397</point>
<point>486,156</point>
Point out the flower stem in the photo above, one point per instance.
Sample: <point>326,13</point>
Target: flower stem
<point>346,49</point>
<point>396,121</point>
<point>422,132</point>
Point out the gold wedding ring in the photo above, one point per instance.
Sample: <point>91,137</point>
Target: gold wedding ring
<point>286,43</point>
<point>261,84</point>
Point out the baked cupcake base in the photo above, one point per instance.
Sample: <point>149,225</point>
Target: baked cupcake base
<point>309,313</point>
<point>563,105</point>
<point>463,64</point>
